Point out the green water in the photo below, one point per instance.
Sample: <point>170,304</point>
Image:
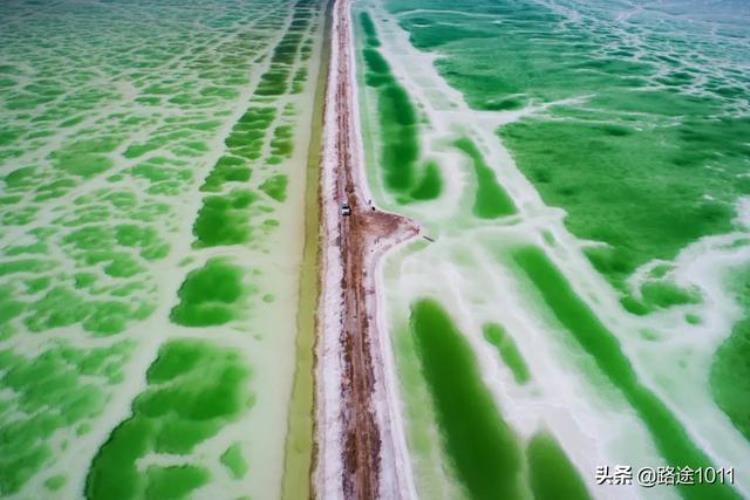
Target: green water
<point>668,433</point>
<point>482,447</point>
<point>653,156</point>
<point>488,456</point>
<point>233,460</point>
<point>508,351</point>
<point>56,390</point>
<point>490,201</point>
<point>398,128</point>
<point>730,371</point>
<point>612,135</point>
<point>551,474</point>
<point>193,388</point>
<point>147,158</point>
<point>210,295</point>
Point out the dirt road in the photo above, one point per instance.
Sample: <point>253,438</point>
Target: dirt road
<point>364,235</point>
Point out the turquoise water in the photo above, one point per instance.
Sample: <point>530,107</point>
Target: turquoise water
<point>151,179</point>
<point>590,236</point>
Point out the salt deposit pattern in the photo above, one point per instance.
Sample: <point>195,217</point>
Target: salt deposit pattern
<point>581,299</point>
<point>152,174</point>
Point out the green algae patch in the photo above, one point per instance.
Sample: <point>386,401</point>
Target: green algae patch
<point>275,187</point>
<point>626,190</point>
<point>21,177</point>
<point>10,308</point>
<point>654,155</point>
<point>227,169</point>
<point>223,219</point>
<point>431,184</point>
<point>660,294</point>
<point>508,351</point>
<point>730,377</point>
<point>24,266</point>
<point>54,483</point>
<point>282,143</point>
<point>368,27</point>
<point>113,473</point>
<point>481,446</point>
<point>398,128</point>
<point>491,200</point>
<point>211,295</point>
<point>431,473</point>
<point>143,238</point>
<point>400,149</point>
<point>114,288</point>
<point>249,133</point>
<point>59,389</point>
<point>174,482</point>
<point>84,165</point>
<point>194,389</point>
<point>551,474</point>
<point>730,369</point>
<point>64,306</point>
<point>574,315</point>
<point>234,461</point>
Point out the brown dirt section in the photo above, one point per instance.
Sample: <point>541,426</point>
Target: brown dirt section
<point>364,235</point>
